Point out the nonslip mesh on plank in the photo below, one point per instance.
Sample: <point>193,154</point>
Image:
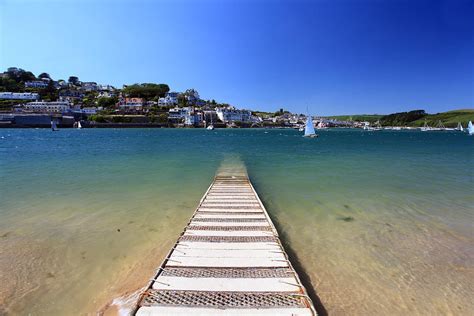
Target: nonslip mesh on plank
<point>222,299</point>
<point>199,272</point>
<point>228,212</point>
<point>230,228</point>
<point>230,220</point>
<point>229,238</point>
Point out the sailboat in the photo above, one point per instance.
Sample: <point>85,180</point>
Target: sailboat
<point>459,128</point>
<point>309,128</point>
<point>439,127</point>
<point>79,126</point>
<point>54,127</point>
<point>470,128</point>
<point>425,127</point>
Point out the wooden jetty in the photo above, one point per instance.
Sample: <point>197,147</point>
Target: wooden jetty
<point>228,261</point>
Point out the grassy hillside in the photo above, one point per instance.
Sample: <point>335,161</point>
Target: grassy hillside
<point>449,119</point>
<point>357,117</point>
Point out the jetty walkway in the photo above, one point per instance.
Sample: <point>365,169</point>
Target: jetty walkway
<point>228,261</point>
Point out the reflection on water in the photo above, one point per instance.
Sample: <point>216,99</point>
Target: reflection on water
<point>380,222</point>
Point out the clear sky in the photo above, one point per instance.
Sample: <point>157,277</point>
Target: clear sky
<point>335,56</point>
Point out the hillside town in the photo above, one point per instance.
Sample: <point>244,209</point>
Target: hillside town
<point>27,100</point>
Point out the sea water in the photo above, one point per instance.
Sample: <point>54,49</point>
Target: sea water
<point>376,222</point>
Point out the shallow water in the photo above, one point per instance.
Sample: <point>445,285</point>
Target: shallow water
<point>379,222</point>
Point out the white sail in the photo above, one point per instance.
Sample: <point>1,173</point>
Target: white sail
<point>459,128</point>
<point>309,128</point>
<point>470,128</point>
<point>79,124</point>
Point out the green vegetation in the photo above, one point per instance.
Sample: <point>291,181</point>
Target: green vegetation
<point>372,118</point>
<point>402,118</point>
<point>13,80</point>
<point>73,80</point>
<point>98,118</point>
<point>107,103</point>
<point>414,118</point>
<point>281,112</point>
<point>147,91</point>
<point>449,119</point>
<point>50,93</point>
<point>262,114</point>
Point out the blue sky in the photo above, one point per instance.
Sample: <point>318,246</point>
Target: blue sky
<point>335,56</point>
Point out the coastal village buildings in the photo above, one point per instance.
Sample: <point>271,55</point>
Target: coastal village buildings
<point>19,96</point>
<point>193,118</point>
<point>41,84</point>
<point>210,116</point>
<point>131,104</point>
<point>187,115</point>
<point>47,107</point>
<point>89,86</point>
<point>191,97</point>
<point>230,114</point>
<point>106,94</point>
<point>87,110</point>
<point>82,98</point>
<point>70,95</point>
<point>170,99</point>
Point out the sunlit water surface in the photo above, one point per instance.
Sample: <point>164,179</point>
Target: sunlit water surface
<point>378,222</point>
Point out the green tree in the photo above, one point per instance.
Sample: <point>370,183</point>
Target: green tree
<point>73,80</point>
<point>89,99</point>
<point>10,85</point>
<point>26,76</point>
<point>50,93</point>
<point>106,102</point>
<point>44,75</point>
<point>148,91</point>
<point>163,118</point>
<point>182,102</point>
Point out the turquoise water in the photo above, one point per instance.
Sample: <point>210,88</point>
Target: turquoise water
<point>380,222</point>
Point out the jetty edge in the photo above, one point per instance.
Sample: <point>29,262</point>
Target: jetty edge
<point>228,260</point>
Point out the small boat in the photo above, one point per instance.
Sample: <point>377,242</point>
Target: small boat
<point>301,129</point>
<point>459,128</point>
<point>79,126</point>
<point>377,127</point>
<point>54,127</point>
<point>470,128</point>
<point>309,128</point>
<point>210,126</point>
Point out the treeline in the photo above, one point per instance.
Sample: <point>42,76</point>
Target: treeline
<point>148,91</point>
<point>402,118</point>
<point>13,80</point>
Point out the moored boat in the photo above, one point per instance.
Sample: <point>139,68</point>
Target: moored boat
<point>54,126</point>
